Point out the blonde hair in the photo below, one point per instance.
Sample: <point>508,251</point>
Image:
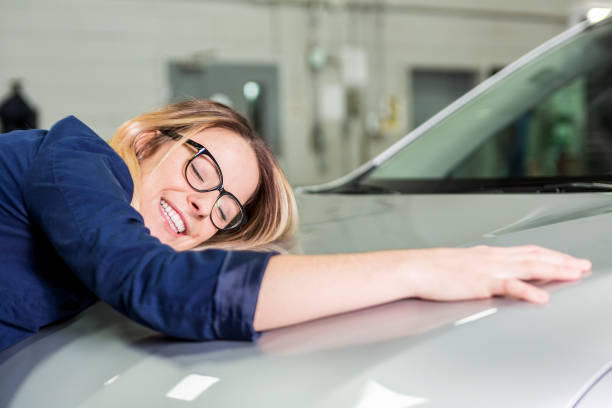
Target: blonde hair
<point>271,211</point>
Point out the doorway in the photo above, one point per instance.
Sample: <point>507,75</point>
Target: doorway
<point>250,89</point>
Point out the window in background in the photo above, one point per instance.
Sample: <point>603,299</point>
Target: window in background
<point>434,89</point>
<point>251,90</point>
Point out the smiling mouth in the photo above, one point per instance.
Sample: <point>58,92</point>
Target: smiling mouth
<point>173,218</point>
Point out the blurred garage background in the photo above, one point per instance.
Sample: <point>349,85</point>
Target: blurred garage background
<point>329,83</point>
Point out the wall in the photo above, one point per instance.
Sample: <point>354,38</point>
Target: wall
<point>105,60</point>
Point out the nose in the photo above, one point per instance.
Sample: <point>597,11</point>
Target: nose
<point>201,203</point>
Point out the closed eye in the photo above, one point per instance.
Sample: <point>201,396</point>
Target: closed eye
<point>197,173</point>
<point>223,216</point>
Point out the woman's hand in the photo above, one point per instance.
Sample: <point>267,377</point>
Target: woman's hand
<point>481,272</point>
<point>297,288</point>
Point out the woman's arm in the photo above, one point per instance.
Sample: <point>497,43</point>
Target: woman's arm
<point>297,288</point>
<point>78,191</point>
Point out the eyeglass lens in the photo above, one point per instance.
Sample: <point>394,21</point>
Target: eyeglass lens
<point>202,174</point>
<point>226,213</point>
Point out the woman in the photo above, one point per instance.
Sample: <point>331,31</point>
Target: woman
<point>80,221</point>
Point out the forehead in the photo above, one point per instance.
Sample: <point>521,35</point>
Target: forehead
<point>235,157</point>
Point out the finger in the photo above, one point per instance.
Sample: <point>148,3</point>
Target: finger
<point>534,249</point>
<point>555,258</point>
<point>520,249</point>
<point>537,253</point>
<point>530,270</point>
<point>518,289</point>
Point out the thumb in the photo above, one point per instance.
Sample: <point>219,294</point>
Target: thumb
<point>516,288</point>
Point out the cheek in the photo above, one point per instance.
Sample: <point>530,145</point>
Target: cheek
<point>158,175</point>
<point>205,231</point>
<point>194,241</point>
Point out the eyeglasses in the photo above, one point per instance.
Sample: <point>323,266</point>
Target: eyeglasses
<point>203,174</point>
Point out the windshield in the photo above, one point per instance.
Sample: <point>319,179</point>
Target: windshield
<point>548,122</point>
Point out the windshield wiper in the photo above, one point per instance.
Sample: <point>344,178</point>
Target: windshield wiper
<point>562,187</point>
<point>365,189</point>
<point>576,186</point>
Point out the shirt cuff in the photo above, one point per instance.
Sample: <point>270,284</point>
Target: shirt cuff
<point>236,294</point>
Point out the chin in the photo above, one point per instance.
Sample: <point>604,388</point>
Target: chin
<point>179,245</point>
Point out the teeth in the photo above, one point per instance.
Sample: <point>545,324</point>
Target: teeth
<point>172,216</point>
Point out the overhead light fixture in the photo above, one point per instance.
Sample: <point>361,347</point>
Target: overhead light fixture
<point>251,91</point>
<point>317,57</point>
<point>597,14</point>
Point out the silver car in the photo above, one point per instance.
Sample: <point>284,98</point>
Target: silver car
<point>526,157</point>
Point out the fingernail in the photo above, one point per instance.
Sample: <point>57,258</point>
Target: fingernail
<point>542,297</point>
<point>582,263</point>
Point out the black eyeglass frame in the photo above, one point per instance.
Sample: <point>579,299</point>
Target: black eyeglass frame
<point>202,150</point>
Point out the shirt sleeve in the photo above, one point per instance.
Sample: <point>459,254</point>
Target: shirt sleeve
<point>78,191</point>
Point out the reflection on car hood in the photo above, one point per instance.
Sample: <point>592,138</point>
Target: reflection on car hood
<point>333,223</point>
<point>495,352</point>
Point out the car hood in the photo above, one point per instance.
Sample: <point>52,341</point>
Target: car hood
<point>332,223</point>
<point>495,352</point>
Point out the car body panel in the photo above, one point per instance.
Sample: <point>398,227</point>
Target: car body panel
<point>332,223</point>
<point>478,353</point>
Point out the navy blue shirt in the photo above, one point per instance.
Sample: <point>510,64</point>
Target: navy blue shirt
<point>69,236</point>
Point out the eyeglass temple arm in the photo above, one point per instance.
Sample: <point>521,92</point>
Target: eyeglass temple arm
<point>175,136</point>
<point>171,134</point>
